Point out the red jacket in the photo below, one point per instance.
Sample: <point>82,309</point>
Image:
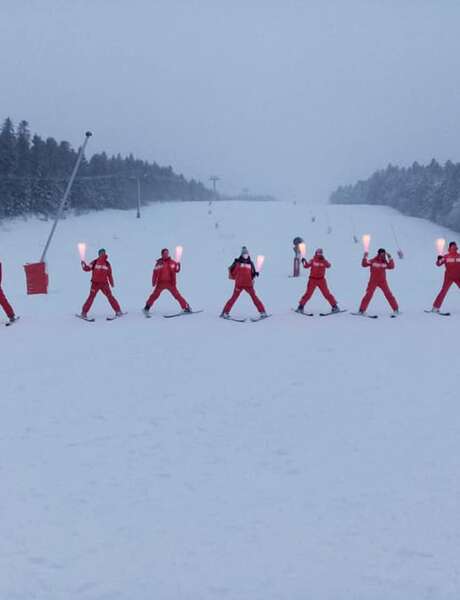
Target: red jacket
<point>243,272</point>
<point>451,261</point>
<point>102,270</point>
<point>165,272</point>
<point>378,267</point>
<point>318,266</point>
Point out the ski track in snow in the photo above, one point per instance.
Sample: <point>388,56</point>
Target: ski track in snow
<point>197,458</point>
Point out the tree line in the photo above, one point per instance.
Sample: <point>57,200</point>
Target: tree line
<point>34,172</point>
<point>431,191</point>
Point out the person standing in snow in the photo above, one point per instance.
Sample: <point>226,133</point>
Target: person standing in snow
<point>317,265</point>
<point>101,281</point>
<point>164,278</point>
<point>378,279</point>
<point>451,262</point>
<point>4,302</point>
<point>243,272</point>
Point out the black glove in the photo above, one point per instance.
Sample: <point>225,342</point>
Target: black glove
<point>256,274</point>
<point>440,257</point>
<point>304,262</point>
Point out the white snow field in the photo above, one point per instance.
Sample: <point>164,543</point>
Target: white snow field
<point>198,459</point>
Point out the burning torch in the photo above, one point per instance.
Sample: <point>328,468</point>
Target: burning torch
<point>440,246</point>
<point>179,251</point>
<point>366,242</point>
<point>82,251</point>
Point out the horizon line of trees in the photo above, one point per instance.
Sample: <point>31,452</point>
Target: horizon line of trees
<point>34,172</point>
<point>431,192</point>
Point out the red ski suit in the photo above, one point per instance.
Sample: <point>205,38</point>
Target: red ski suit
<point>164,278</point>
<point>243,272</point>
<point>101,281</point>
<point>3,301</point>
<point>317,279</point>
<point>378,279</point>
<point>452,275</point>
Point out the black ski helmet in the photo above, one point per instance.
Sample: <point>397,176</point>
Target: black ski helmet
<point>297,240</point>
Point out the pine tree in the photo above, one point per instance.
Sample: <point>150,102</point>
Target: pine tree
<point>7,148</point>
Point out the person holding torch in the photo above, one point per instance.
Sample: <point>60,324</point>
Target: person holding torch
<point>378,279</point>
<point>243,272</point>
<point>451,262</point>
<point>101,281</point>
<point>317,265</point>
<point>164,278</point>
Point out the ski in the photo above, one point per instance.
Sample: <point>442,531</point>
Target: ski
<point>441,314</point>
<point>115,317</point>
<point>335,312</point>
<point>192,312</point>
<point>234,319</point>
<point>12,322</point>
<point>255,319</point>
<point>304,314</point>
<point>87,319</point>
<point>358,314</point>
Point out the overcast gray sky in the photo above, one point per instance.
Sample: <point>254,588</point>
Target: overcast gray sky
<point>282,96</point>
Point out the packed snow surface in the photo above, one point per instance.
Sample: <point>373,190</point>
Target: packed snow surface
<point>195,458</point>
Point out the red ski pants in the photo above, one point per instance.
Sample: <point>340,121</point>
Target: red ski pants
<point>371,287</point>
<point>105,289</point>
<point>236,294</point>
<point>172,289</point>
<point>6,305</point>
<point>311,287</point>
<point>445,288</point>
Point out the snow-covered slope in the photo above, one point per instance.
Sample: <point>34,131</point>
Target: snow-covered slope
<point>194,458</point>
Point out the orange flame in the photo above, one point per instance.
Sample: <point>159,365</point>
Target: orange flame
<point>440,245</point>
<point>82,250</point>
<point>366,242</point>
<point>259,263</point>
<point>179,251</point>
<point>303,249</point>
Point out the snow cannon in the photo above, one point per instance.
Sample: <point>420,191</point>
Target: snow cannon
<point>36,278</point>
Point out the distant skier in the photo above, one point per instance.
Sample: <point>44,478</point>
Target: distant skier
<point>451,262</point>
<point>318,265</point>
<point>378,279</point>
<point>4,302</point>
<point>243,272</point>
<point>101,281</point>
<point>164,278</point>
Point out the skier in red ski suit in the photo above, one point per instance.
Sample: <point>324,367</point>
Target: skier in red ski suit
<point>378,279</point>
<point>101,281</point>
<point>451,261</point>
<point>243,272</point>
<point>318,265</point>
<point>4,302</point>
<point>164,278</point>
